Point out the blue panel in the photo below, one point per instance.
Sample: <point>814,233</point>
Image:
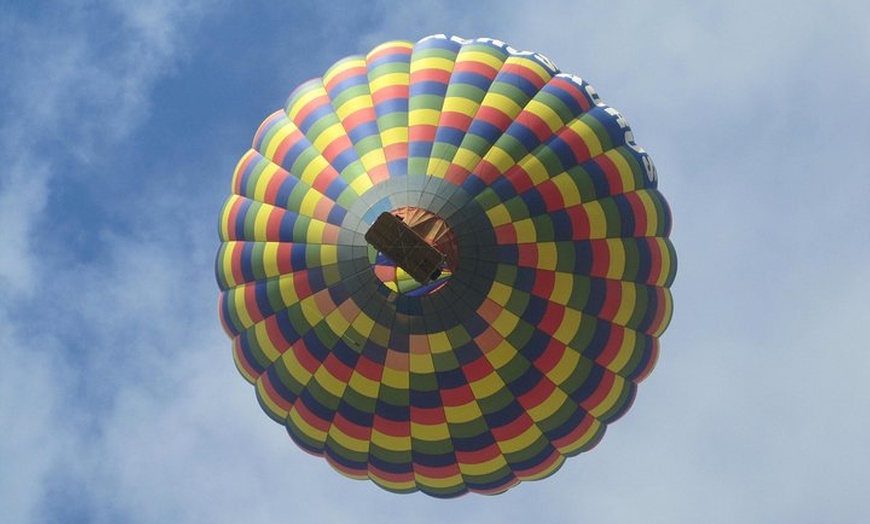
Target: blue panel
<point>471,78</point>
<point>363,130</point>
<point>430,87</point>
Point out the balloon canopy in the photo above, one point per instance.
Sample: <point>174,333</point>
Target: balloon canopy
<point>445,266</point>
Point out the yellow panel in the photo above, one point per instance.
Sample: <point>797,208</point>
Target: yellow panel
<point>536,170</point>
<point>421,363</point>
<point>309,310</point>
<point>306,428</point>
<point>394,135</point>
<point>288,290</point>
<point>237,172</point>
<point>447,482</point>
<point>361,184</point>
<point>668,305</point>
<point>546,113</point>
<point>226,263</point>
<point>283,131</point>
<point>567,188</point>
<point>460,104</point>
<point>505,322</point>
<point>521,441</point>
<point>530,64</point>
<point>364,385</point>
<point>565,367</point>
<point>391,485</point>
<point>499,158</point>
<point>546,472</point>
<point>387,45</point>
<point>583,440</point>
<point>437,168</point>
<point>328,254</point>
<point>266,176</point>
<point>479,56</point>
<point>547,256</point>
<point>388,80</point>
<point>346,441</point>
<point>265,343</point>
<point>503,103</point>
<point>430,432</point>
<point>395,379</point>
<point>624,169</point>
<point>373,158</point>
<point>501,354</point>
<point>568,328</point>
<point>649,209</point>
<point>270,259</point>
<point>666,261</point>
<point>314,235</point>
<point>261,221</point>
<point>483,468</point>
<point>304,100</point>
<point>439,343</point>
<point>238,298</point>
<point>390,442</point>
<point>267,401</point>
<point>352,105</point>
<point>248,376</point>
<point>487,386</point>
<point>345,65</point>
<point>294,367</point>
<point>548,407</point>
<point>587,134</point>
<point>225,218</point>
<point>317,165</point>
<point>597,219</point>
<point>500,293</point>
<point>609,401</point>
<point>499,215</point>
<point>463,413</point>
<point>562,288</point>
<point>329,382</point>
<point>337,322</point>
<point>526,232</point>
<point>465,158</point>
<point>363,324</point>
<point>628,300</point>
<point>328,136</point>
<point>309,203</point>
<point>431,62</point>
<point>616,268</point>
<point>626,351</point>
<point>426,117</point>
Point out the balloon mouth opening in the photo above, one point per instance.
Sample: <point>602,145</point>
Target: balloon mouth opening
<point>412,251</point>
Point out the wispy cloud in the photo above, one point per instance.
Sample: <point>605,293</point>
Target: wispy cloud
<point>118,397</point>
<point>76,81</point>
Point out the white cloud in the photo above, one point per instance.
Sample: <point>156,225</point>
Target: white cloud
<point>22,199</point>
<point>30,408</point>
<point>753,414</point>
<point>76,80</point>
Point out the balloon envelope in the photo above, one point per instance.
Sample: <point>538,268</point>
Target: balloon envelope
<point>545,262</point>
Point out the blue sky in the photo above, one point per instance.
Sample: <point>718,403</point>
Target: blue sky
<point>120,125</point>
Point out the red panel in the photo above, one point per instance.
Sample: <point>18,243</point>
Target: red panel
<point>552,196</point>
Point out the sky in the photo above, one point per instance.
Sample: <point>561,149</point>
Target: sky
<point>121,123</point>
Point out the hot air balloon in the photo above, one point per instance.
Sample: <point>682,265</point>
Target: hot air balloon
<point>445,266</point>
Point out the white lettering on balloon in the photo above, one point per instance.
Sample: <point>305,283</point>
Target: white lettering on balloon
<point>648,165</point>
<point>539,58</point>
